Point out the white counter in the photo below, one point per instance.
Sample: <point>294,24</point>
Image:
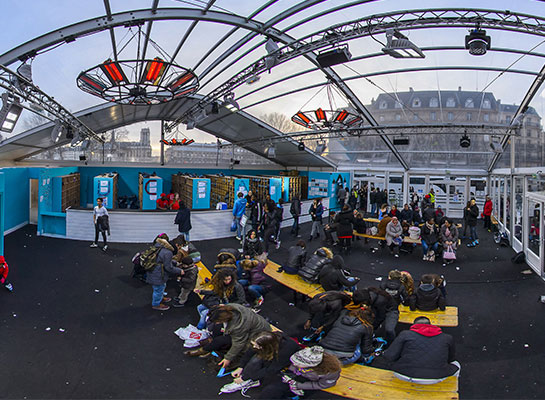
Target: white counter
<point>133,226</point>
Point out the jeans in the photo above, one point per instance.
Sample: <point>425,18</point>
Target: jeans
<point>186,235</point>
<point>426,247</point>
<point>295,226</point>
<point>158,291</point>
<point>317,228</point>
<point>373,208</point>
<point>203,312</point>
<point>473,233</point>
<point>354,358</point>
<point>239,227</point>
<point>255,290</point>
<point>389,325</point>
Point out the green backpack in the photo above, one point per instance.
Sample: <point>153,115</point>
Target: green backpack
<point>148,258</point>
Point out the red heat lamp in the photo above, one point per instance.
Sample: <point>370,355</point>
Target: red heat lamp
<point>138,82</point>
<point>327,119</point>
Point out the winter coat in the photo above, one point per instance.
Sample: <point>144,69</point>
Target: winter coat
<point>382,225</point>
<point>332,303</point>
<point>316,212</point>
<point>346,333</point>
<point>310,271</point>
<point>239,207</point>
<point>159,274</point>
<point>423,352</point>
<point>381,305</point>
<point>359,225</point>
<point>344,221</point>
<point>333,276</point>
<point>341,194</point>
<point>427,298</point>
<point>397,290</point>
<point>212,299</point>
<point>4,270</point>
<point>189,278</point>
<point>297,257</point>
<point>103,223</point>
<point>430,236</point>
<point>230,261</point>
<point>260,369</point>
<point>183,219</point>
<point>373,197</point>
<point>487,208</point>
<point>295,208</point>
<point>453,237</point>
<point>309,379</point>
<point>253,247</point>
<point>382,197</point>
<point>242,327</point>
<point>406,215</point>
<point>392,231</point>
<point>256,213</point>
<point>257,276</point>
<point>472,215</point>
<point>270,220</point>
<point>428,214</point>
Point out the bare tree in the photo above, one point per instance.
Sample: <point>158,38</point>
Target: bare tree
<point>280,122</point>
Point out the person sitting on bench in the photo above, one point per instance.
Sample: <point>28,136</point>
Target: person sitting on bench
<point>423,354</point>
<point>330,228</point>
<point>382,228</point>
<point>393,236</point>
<point>395,287</point>
<point>430,239</point>
<point>427,297</point>
<point>310,369</point>
<point>351,336</point>
<point>334,276</point>
<point>324,309</point>
<point>310,271</point>
<point>384,306</point>
<point>297,256</point>
<point>253,246</point>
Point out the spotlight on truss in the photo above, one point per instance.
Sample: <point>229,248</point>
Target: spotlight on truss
<point>401,46</point>
<point>495,144</point>
<point>230,103</point>
<point>320,147</point>
<point>465,141</point>
<point>270,151</point>
<point>477,42</point>
<point>271,60</point>
<point>10,113</point>
<point>301,146</point>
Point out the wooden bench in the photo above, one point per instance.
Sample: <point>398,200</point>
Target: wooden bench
<point>203,276</point>
<point>447,318</point>
<point>493,220</point>
<point>362,382</point>
<point>406,239</point>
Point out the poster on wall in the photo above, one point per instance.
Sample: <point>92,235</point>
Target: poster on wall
<point>318,187</point>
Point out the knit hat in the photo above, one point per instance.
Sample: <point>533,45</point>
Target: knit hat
<point>187,260</point>
<point>308,358</point>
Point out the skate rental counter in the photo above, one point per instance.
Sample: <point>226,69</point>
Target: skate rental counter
<point>134,226</point>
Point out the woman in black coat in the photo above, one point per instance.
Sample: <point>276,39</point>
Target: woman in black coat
<point>345,227</point>
<point>183,220</point>
<point>472,215</point>
<point>335,277</point>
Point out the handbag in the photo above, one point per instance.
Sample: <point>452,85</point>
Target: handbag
<point>449,254</point>
<point>398,241</point>
<point>243,220</point>
<point>414,232</point>
<point>234,226</point>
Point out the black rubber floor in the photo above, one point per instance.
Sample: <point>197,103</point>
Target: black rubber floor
<point>78,326</point>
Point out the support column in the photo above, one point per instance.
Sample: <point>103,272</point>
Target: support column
<point>162,142</point>
<point>406,184</point>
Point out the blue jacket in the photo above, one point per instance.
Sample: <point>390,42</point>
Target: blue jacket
<point>239,207</point>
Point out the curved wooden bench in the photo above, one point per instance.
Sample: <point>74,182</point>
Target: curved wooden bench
<point>448,318</point>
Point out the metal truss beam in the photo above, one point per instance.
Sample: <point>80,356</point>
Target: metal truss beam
<point>523,107</point>
<point>20,87</point>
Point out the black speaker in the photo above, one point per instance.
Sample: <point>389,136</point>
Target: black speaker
<point>336,56</point>
<point>401,141</point>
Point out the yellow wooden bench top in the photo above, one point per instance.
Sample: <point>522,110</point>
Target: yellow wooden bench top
<point>405,239</point>
<point>204,274</point>
<point>493,220</point>
<point>447,318</point>
<point>372,220</point>
<point>362,382</point>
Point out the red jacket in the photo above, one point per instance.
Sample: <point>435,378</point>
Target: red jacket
<point>487,208</point>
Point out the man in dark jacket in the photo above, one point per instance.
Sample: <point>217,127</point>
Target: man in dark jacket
<point>188,282</point>
<point>295,211</point>
<point>344,222</point>
<point>362,194</point>
<point>297,256</point>
<point>427,297</point>
<point>373,201</point>
<point>335,277</point>
<point>384,306</point>
<point>158,276</point>
<point>183,220</point>
<point>406,214</point>
<point>310,271</point>
<point>423,354</point>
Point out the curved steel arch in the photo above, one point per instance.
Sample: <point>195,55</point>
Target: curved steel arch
<point>374,55</point>
<point>128,18</point>
<point>398,71</point>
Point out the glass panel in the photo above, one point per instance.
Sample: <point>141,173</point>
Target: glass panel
<point>518,207</point>
<point>534,216</point>
<point>501,198</point>
<point>508,205</point>
<point>457,199</point>
<point>395,190</point>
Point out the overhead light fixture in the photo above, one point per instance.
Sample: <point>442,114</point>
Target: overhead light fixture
<point>57,130</point>
<point>69,132</point>
<point>401,46</point>
<point>271,60</point>
<point>10,113</point>
<point>495,144</point>
<point>113,72</point>
<point>85,144</point>
<point>270,151</point>
<point>201,115</point>
<point>401,141</point>
<point>230,103</point>
<point>75,140</point>
<point>320,147</point>
<point>465,141</point>
<point>337,55</point>
<point>477,42</point>
<point>301,146</point>
<point>190,124</point>
<point>154,71</point>
<point>253,79</point>
<point>215,108</point>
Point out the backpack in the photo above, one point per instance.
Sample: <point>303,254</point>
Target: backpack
<point>148,258</point>
<point>519,258</point>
